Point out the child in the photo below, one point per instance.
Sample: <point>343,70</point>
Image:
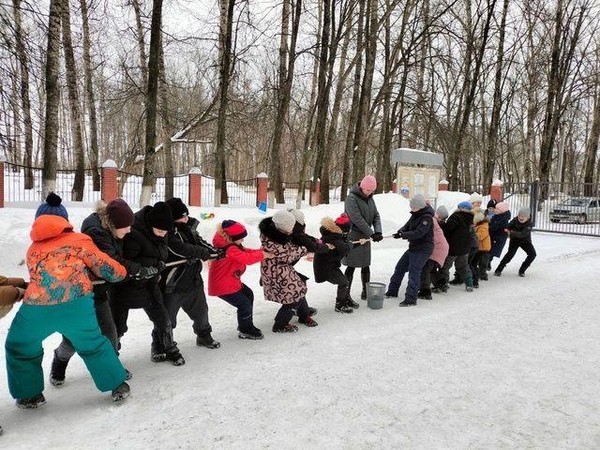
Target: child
<point>519,231</point>
<point>59,298</point>
<point>438,256</point>
<point>281,283</point>
<point>491,209</point>
<point>458,234</point>
<point>224,275</point>
<point>106,226</point>
<point>480,260</point>
<point>498,224</point>
<point>183,284</point>
<point>419,233</point>
<point>327,265</point>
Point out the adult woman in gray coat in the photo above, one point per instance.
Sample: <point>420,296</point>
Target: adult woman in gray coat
<point>365,224</point>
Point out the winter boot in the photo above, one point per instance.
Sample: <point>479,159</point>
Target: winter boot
<point>469,285</point>
<point>207,341</point>
<point>31,402</point>
<point>128,375</point>
<point>287,328</point>
<point>365,278</point>
<point>440,288</point>
<point>424,294</point>
<point>311,311</point>
<point>342,306</point>
<point>157,352</point>
<point>456,281</point>
<point>175,358</point>
<point>498,273</point>
<point>253,334</point>
<point>121,392</point>
<point>407,303</point>
<point>521,274</point>
<point>483,276</point>
<point>389,294</point>
<point>308,321</point>
<point>351,303</point>
<point>57,371</point>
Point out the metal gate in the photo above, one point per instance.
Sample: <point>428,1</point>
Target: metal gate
<point>567,208</point>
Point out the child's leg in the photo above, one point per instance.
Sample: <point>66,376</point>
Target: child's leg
<point>531,254</point>
<point>510,254</point>
<point>483,264</point>
<point>284,315</point>
<point>416,261</point>
<point>474,267</point>
<point>463,270</point>
<point>396,279</point>
<point>243,300</point>
<point>24,351</point>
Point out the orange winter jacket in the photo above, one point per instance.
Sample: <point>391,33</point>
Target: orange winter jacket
<point>60,262</point>
<point>483,235</point>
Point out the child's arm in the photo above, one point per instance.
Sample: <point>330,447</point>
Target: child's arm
<point>422,229</point>
<point>245,256</point>
<point>288,254</point>
<point>99,262</point>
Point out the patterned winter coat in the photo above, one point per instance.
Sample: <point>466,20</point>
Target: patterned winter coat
<point>328,263</point>
<point>225,274</point>
<point>365,221</point>
<point>60,262</point>
<point>440,244</point>
<point>281,283</point>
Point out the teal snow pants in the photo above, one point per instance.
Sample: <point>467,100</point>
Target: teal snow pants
<point>77,321</point>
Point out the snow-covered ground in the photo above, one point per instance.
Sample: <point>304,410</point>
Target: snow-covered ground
<point>515,364</point>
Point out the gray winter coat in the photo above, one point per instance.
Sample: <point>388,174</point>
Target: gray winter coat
<point>365,221</point>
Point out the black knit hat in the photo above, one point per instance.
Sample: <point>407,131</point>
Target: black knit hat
<point>178,208</point>
<point>119,213</point>
<point>160,216</point>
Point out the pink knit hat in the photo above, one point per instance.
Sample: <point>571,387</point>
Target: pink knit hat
<point>369,183</point>
<point>501,207</point>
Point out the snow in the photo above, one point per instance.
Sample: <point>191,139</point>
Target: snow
<point>512,365</point>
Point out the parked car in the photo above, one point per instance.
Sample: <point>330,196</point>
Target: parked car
<point>577,209</point>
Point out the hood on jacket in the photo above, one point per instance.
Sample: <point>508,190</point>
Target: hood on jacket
<point>221,239</point>
<point>48,227</point>
<point>268,229</point>
<point>328,224</point>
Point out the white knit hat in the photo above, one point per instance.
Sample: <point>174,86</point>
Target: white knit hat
<point>284,221</point>
<point>299,215</point>
<point>476,198</point>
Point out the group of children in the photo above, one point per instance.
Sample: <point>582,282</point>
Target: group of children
<point>83,285</point>
<point>468,239</point>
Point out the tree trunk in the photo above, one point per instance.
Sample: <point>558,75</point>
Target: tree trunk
<point>73,95</point>
<point>490,157</point>
<point>591,145</point>
<point>167,125</point>
<point>287,59</point>
<point>225,38</point>
<point>25,100</point>
<point>52,98</point>
<point>89,89</point>
<point>151,104</point>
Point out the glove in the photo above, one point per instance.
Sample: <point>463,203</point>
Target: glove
<point>397,235</point>
<point>146,273</point>
<point>376,237</point>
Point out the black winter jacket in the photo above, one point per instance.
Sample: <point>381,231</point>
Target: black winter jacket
<point>457,230</point>
<point>325,264</point>
<point>419,230</point>
<point>520,232</point>
<point>141,245</point>
<point>185,243</point>
<point>107,243</point>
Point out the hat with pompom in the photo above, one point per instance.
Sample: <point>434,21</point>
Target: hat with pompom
<point>234,230</point>
<point>52,207</point>
<point>343,222</point>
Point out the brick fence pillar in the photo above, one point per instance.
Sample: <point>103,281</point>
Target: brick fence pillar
<point>109,186</point>
<point>443,185</point>
<point>1,184</point>
<point>395,185</point>
<point>497,190</point>
<point>315,193</point>
<point>195,187</point>
<point>262,188</point>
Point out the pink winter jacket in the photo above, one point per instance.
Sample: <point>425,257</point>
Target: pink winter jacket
<point>440,245</point>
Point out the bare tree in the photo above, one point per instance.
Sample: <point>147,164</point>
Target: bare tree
<point>52,97</point>
<point>151,103</point>
<point>91,100</point>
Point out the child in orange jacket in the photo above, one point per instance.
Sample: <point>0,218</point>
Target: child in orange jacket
<point>479,262</point>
